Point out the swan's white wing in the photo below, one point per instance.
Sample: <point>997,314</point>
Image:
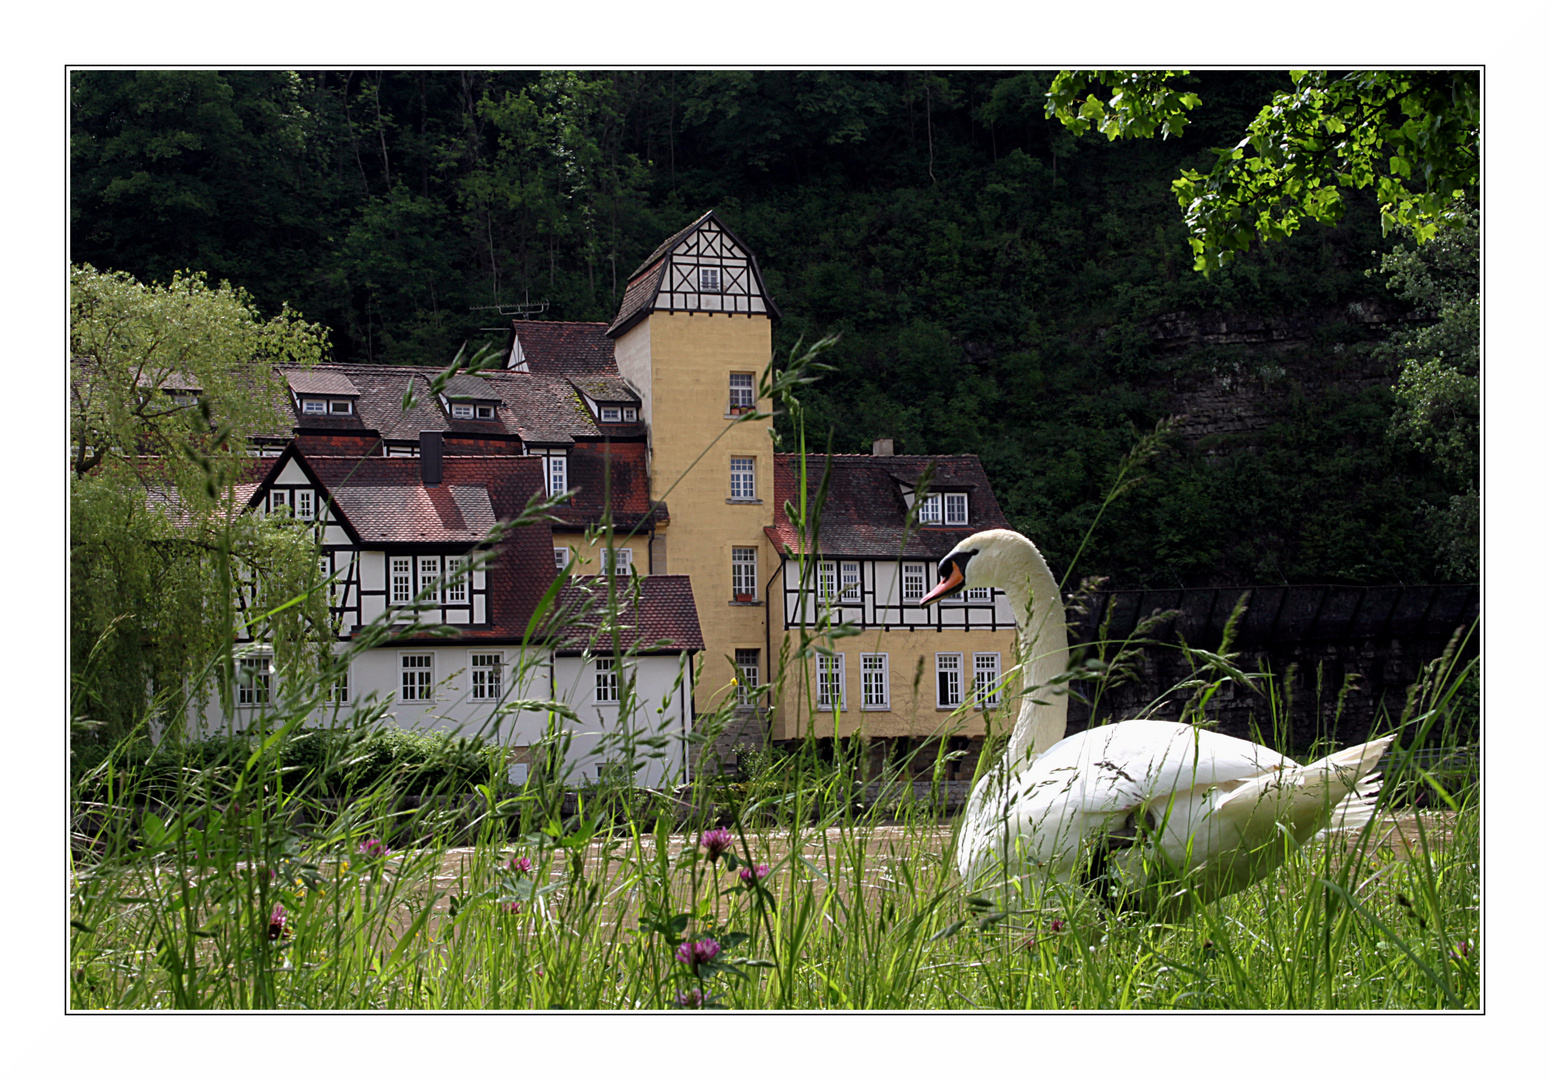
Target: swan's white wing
<point>1042,818</point>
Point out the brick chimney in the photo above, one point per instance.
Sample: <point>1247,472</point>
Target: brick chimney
<point>430,458</point>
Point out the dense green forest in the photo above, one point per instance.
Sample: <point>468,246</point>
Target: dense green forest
<point>1001,286</point>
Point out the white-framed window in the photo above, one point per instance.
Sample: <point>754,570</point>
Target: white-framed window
<point>313,407</point>
<point>826,581</point>
<point>930,510</point>
<point>745,573</point>
<point>740,392</point>
<point>914,575</point>
<point>484,412</point>
<point>976,594</point>
<point>304,504</point>
<point>255,679</point>
<point>456,591</point>
<point>462,410</point>
<point>631,415</point>
<point>400,579</point>
<point>850,583</point>
<point>279,502</point>
<point>831,681</point>
<point>949,680</point>
<point>955,508</point>
<point>606,681</point>
<point>874,680</point>
<point>430,577</point>
<point>561,558</point>
<point>417,674</point>
<point>747,661</point>
<point>340,408</point>
<point>710,279</point>
<point>484,676</point>
<point>987,674</point>
<point>742,478</point>
<point>339,690</point>
<point>556,474</point>
<point>616,560</point>
<point>609,414</point>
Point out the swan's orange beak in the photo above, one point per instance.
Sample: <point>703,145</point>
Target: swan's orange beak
<point>946,587</point>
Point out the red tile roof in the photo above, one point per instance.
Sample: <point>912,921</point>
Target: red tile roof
<point>385,501</point>
<point>625,493</point>
<point>865,512</point>
<point>655,614</point>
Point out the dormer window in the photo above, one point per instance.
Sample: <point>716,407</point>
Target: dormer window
<point>930,510</point>
<point>462,411</point>
<point>630,416</point>
<point>955,505</point>
<point>312,406</point>
<point>484,412</point>
<point>610,414</point>
<point>710,279</point>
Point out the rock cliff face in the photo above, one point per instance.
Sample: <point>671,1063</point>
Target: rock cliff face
<point>1237,372</point>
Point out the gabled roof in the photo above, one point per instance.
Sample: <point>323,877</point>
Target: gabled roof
<point>571,349</point>
<point>641,293</point>
<point>655,614</point>
<point>865,512</point>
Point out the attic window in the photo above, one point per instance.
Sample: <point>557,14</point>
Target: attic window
<point>313,407</point>
<point>931,510</point>
<point>609,414</point>
<point>484,412</point>
<point>710,279</point>
<point>462,412</point>
<point>630,416</point>
<point>340,408</point>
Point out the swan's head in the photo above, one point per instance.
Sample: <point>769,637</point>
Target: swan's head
<point>994,558</point>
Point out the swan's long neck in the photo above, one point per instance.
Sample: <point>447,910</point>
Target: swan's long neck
<point>1041,625</point>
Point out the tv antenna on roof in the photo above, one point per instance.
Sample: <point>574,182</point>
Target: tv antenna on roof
<point>520,311</point>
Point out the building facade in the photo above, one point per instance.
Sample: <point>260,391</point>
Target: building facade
<point>669,503</point>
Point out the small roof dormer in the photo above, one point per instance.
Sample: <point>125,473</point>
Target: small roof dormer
<point>320,393</point>
<point>468,397</point>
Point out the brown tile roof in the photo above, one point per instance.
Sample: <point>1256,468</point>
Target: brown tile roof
<point>625,492</point>
<point>639,294</point>
<point>655,614</point>
<point>327,380</point>
<point>865,511</point>
<point>539,408</point>
<point>467,387</point>
<point>572,349</point>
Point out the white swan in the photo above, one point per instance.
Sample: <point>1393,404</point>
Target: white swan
<point>1155,813</point>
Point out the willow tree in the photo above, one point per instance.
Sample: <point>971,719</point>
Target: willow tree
<point>168,385</point>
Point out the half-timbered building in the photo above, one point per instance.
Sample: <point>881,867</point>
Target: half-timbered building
<point>409,478</point>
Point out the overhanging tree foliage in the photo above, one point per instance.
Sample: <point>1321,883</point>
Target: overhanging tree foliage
<point>1412,136</point>
<point>168,384</point>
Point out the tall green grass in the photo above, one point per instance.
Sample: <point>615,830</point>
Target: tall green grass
<point>249,881</point>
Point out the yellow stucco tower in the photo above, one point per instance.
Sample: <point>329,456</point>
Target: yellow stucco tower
<point>693,337</point>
